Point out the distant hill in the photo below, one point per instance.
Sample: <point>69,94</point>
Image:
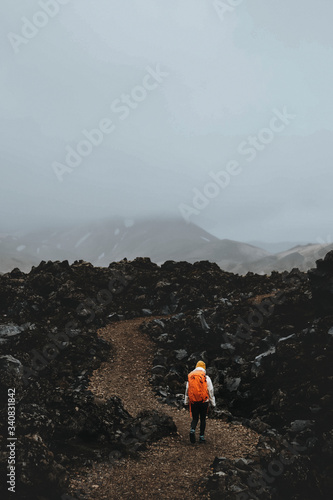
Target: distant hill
<point>303,257</point>
<point>276,247</point>
<point>103,242</point>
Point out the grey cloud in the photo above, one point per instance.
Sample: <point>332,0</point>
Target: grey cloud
<point>224,79</point>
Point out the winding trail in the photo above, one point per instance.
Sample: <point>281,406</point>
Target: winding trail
<point>171,467</point>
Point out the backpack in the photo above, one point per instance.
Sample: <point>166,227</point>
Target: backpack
<point>197,387</point>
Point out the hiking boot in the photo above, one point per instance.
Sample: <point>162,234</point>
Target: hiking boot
<point>202,440</point>
<point>192,437</point>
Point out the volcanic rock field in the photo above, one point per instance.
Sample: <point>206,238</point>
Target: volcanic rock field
<point>267,342</point>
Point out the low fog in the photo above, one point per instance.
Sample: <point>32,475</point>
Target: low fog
<point>207,111</point>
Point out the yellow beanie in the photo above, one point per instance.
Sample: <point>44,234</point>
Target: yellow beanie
<point>201,364</point>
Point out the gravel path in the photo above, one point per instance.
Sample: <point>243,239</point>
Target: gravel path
<point>171,467</point>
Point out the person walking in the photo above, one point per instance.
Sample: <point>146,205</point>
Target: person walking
<point>199,392</point>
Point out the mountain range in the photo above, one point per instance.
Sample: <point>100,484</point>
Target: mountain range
<point>112,240</point>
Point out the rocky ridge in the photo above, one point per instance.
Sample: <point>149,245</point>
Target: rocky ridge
<point>267,342</point>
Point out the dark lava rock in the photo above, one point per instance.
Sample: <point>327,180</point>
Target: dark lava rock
<point>158,370</point>
<point>148,426</point>
<point>267,342</point>
<point>49,348</point>
<point>321,280</point>
<point>277,476</point>
<point>269,356</point>
<point>11,370</point>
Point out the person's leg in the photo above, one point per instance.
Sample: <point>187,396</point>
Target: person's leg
<point>195,415</point>
<point>195,418</point>
<point>203,413</point>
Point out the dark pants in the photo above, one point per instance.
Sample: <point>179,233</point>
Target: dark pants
<point>199,410</point>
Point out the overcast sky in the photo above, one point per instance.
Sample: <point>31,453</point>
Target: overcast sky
<point>218,112</point>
